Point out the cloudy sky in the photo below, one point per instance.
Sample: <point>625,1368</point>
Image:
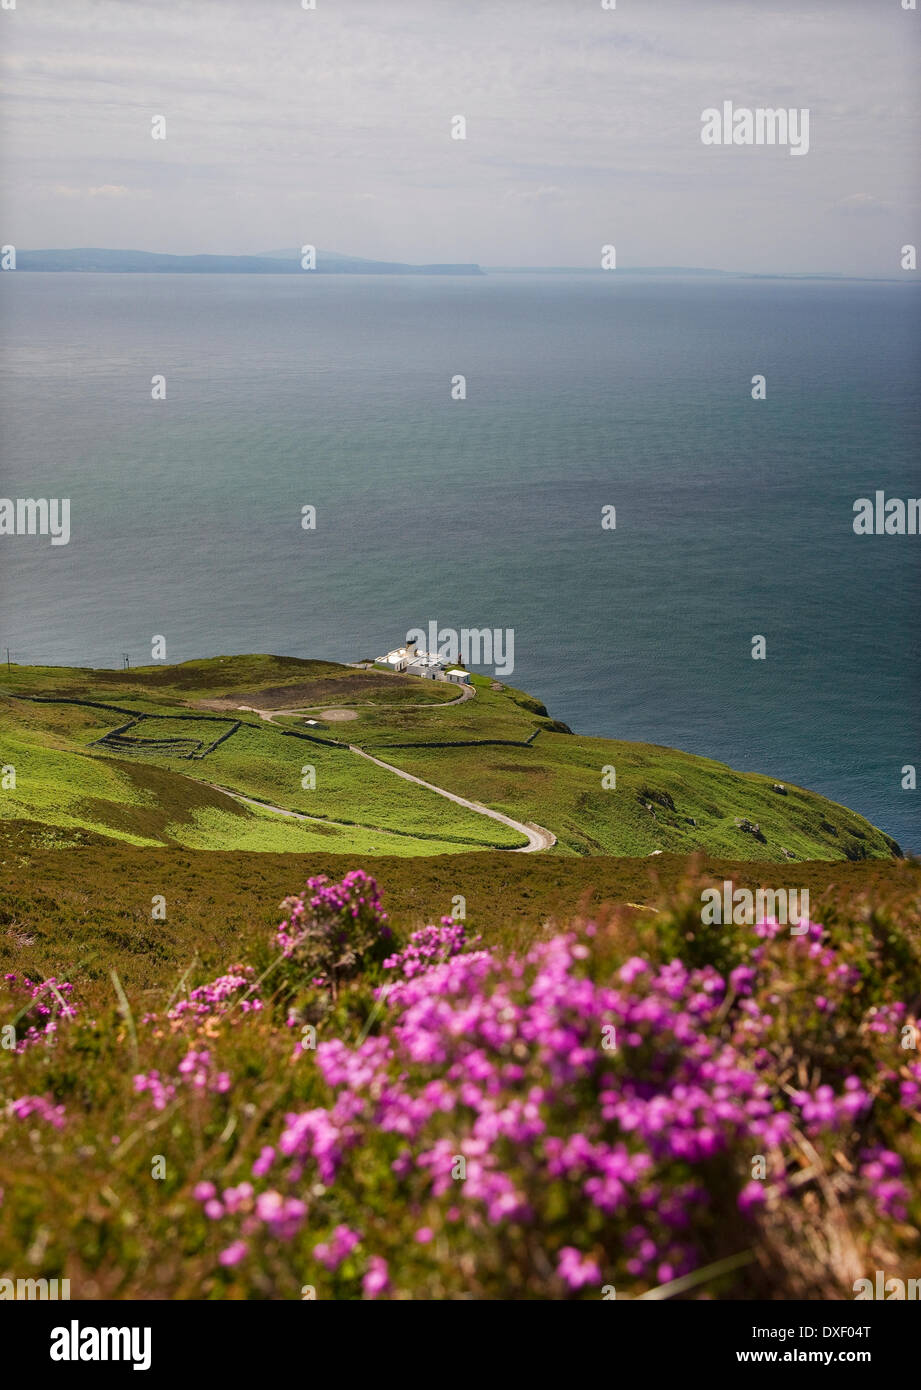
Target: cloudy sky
<point>332,126</point>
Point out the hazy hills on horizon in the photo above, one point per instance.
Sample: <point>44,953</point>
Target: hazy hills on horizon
<point>101,259</point>
<point>288,262</point>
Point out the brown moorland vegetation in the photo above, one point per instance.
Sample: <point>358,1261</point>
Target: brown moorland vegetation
<point>79,912</point>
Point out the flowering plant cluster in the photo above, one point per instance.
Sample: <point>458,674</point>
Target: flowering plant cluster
<point>208,1005</point>
<point>332,930</point>
<point>556,1126</point>
<point>430,945</point>
<point>42,1004</point>
<point>197,1071</point>
<point>45,1110</point>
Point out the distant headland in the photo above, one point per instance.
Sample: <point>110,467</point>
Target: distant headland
<point>271,263</point>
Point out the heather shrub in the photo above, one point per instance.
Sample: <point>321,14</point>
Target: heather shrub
<point>42,1006</point>
<point>541,1132</point>
<point>430,946</point>
<point>732,1118</point>
<point>332,931</point>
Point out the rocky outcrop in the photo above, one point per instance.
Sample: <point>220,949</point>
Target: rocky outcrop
<point>751,828</point>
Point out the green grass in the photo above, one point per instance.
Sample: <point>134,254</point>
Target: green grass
<point>663,800</point>
<point>516,760</point>
<point>259,761</point>
<point>508,715</point>
<point>143,804</point>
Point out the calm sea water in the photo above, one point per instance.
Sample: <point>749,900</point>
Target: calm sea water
<point>733,517</point>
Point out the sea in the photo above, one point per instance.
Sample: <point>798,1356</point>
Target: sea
<point>733,516</point>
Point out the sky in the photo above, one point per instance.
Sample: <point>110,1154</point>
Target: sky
<point>288,126</point>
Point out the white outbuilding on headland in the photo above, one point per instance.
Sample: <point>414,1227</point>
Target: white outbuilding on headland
<point>409,660</point>
<point>400,658</point>
<point>426,665</point>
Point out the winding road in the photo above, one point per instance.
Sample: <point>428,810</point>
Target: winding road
<point>538,837</point>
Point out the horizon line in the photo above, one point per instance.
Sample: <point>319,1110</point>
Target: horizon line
<point>484,268</point>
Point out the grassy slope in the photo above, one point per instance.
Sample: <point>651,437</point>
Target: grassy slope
<point>664,799</point>
<point>507,714</point>
<point>148,797</point>
<point>557,781</point>
<point>143,804</point>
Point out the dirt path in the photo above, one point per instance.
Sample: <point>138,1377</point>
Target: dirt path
<point>538,838</point>
<point>267,714</point>
<point>465,692</point>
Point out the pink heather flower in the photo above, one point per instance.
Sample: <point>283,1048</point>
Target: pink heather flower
<point>328,911</point>
<point>218,999</point>
<point>751,1196</point>
<point>27,1106</point>
<point>376,1278</point>
<point>204,1191</point>
<point>507,1047</point>
<point>236,1197</point>
<point>909,1094</point>
<point>341,1243</point>
<point>741,978</point>
<point>577,1270</point>
<point>233,1254</point>
<point>881,1169</point>
<point>42,1004</point>
<point>284,1216</point>
<point>161,1092</point>
<point>430,946</point>
<point>264,1162</point>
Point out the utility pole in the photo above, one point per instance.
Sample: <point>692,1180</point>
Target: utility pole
<point>8,661</point>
